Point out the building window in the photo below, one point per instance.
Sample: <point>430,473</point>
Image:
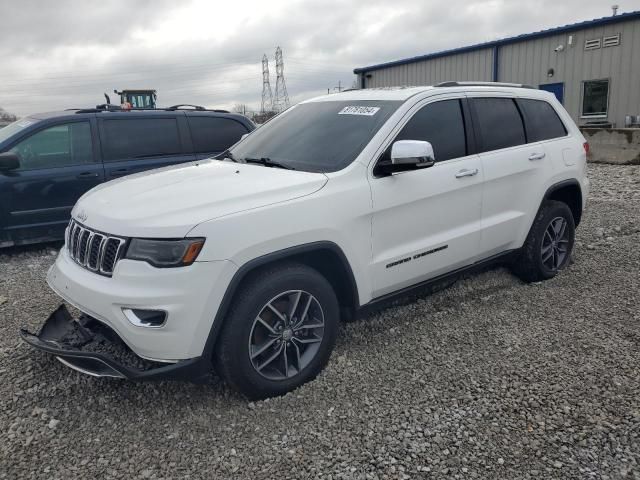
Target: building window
<point>595,98</point>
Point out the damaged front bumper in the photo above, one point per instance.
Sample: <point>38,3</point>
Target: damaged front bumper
<point>91,347</point>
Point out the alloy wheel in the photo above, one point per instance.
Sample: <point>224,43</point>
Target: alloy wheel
<point>555,244</point>
<point>286,335</point>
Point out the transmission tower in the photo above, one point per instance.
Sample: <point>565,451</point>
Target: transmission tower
<point>267,98</point>
<point>281,101</point>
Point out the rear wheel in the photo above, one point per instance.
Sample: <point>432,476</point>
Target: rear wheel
<point>548,247</point>
<point>280,331</point>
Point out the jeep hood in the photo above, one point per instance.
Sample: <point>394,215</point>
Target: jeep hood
<point>168,202</point>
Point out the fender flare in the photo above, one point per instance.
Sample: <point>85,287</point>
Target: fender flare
<point>554,188</point>
<point>562,184</point>
<point>252,265</point>
<point>571,182</point>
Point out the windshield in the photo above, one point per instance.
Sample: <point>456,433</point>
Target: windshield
<point>317,136</point>
<point>15,127</point>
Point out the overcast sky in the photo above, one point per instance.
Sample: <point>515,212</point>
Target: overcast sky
<point>62,54</point>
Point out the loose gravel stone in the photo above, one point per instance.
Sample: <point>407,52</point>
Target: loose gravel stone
<point>544,377</point>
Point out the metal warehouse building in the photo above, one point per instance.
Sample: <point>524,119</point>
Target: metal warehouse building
<point>593,67</point>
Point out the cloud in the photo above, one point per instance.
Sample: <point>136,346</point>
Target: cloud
<point>63,54</point>
<point>32,26</point>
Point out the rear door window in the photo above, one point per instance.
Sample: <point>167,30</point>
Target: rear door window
<point>541,120</point>
<point>213,134</point>
<point>499,122</point>
<point>57,146</point>
<point>139,138</point>
<point>441,124</point>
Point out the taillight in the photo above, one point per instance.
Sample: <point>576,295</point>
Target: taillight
<point>586,147</point>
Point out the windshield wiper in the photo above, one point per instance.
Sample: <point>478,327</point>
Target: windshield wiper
<point>224,155</point>
<point>267,162</point>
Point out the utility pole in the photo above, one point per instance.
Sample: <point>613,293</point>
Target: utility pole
<point>267,98</point>
<point>339,88</point>
<point>281,101</point>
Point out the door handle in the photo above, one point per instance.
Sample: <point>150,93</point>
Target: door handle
<point>537,156</point>
<point>467,172</point>
<point>88,175</point>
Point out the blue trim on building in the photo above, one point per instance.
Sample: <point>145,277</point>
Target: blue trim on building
<point>505,41</point>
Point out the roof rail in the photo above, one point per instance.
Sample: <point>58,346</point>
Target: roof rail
<point>193,107</point>
<point>483,84</point>
<point>181,105</point>
<point>107,107</point>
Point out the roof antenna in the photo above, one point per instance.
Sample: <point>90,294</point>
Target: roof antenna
<point>615,9</point>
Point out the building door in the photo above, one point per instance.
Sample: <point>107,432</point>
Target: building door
<point>556,88</point>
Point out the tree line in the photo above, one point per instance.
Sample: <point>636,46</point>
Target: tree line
<point>6,117</point>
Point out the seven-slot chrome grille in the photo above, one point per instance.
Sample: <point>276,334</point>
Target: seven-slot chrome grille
<point>93,250</point>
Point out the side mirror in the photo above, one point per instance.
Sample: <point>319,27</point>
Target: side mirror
<point>9,161</point>
<point>406,155</point>
<point>412,153</point>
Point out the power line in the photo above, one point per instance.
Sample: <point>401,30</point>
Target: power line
<point>172,67</point>
<point>115,79</point>
<point>194,80</point>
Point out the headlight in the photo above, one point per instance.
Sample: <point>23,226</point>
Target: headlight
<point>165,253</point>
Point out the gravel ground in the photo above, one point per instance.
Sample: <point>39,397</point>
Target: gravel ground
<point>490,378</point>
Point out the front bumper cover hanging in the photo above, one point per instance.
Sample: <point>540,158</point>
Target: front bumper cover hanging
<point>91,347</point>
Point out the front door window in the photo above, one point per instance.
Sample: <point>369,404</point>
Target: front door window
<point>57,146</point>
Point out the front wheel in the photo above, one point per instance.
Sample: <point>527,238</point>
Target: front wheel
<point>280,331</point>
<point>548,247</point>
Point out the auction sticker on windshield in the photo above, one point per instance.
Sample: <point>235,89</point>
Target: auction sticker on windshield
<point>359,110</point>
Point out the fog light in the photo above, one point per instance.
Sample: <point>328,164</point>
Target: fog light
<point>145,318</point>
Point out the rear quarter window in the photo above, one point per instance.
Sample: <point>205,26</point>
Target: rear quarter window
<point>139,138</point>
<point>499,122</point>
<point>541,120</point>
<point>214,134</point>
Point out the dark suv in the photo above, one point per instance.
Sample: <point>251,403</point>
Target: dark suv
<point>48,160</point>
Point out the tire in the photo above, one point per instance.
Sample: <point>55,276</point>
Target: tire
<point>246,343</point>
<point>532,264</point>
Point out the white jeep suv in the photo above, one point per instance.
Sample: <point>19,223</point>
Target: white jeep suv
<point>245,264</point>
